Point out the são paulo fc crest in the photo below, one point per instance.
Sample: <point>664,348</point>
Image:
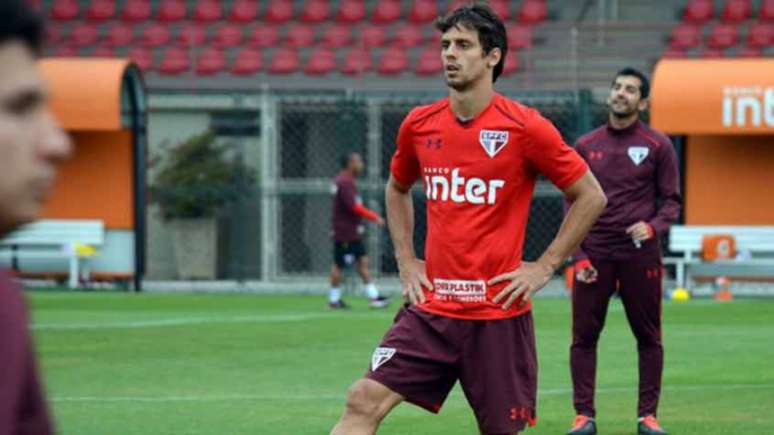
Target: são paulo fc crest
<point>493,141</point>
<point>638,154</point>
<point>381,355</point>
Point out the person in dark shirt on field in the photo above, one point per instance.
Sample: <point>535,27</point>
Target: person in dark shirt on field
<point>31,146</point>
<point>637,169</point>
<point>348,229</point>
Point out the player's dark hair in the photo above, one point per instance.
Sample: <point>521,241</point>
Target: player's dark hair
<point>644,82</point>
<point>491,31</point>
<point>345,157</point>
<point>19,22</point>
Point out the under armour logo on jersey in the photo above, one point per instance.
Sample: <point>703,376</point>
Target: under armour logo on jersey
<point>638,154</point>
<point>381,355</point>
<point>493,141</point>
<point>434,143</point>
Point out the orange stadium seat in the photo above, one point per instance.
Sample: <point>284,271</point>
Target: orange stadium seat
<point>357,61</point>
<point>519,37</point>
<point>263,36</point>
<point>337,36</point>
<point>174,61</point>
<point>155,35</point>
<point>64,10</point>
<point>760,35</point>
<point>248,62</point>
<point>532,12</point>
<point>119,35</point>
<point>749,52</point>
<point>386,11</point>
<point>685,36</point>
<point>284,61</point>
<point>766,12</point>
<point>192,34</point>
<point>315,11</point>
<point>393,61</point>
<point>142,57</point>
<point>300,36</point>
<point>172,10</point>
<point>243,11</point>
<point>373,36</point>
<point>699,11</point>
<point>136,10</point>
<point>84,35</point>
<point>100,10</point>
<point>423,11</point>
<point>511,63</point>
<point>351,11</point>
<point>210,61</point>
<point>322,61</point>
<point>279,11</point>
<point>228,35</point>
<point>723,36</point>
<point>408,35</point>
<point>429,62</point>
<point>207,11</point>
<point>736,11</point>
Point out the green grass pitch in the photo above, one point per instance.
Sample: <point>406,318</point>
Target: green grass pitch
<point>123,364</point>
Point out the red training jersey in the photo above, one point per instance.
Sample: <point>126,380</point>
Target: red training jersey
<point>478,177</point>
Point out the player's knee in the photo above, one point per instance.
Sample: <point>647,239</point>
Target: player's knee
<point>362,401</point>
<point>585,340</point>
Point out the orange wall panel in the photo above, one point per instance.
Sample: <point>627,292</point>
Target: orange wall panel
<point>729,180</point>
<point>96,183</point>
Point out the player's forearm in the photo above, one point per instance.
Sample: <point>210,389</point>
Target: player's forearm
<point>400,220</point>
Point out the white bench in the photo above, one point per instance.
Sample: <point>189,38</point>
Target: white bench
<point>757,240</point>
<point>53,239</point>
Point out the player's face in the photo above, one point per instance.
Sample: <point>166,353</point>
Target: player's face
<point>625,99</point>
<point>463,58</point>
<point>31,142</point>
<point>356,164</point>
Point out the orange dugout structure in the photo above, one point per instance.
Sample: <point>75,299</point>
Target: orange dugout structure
<point>101,103</point>
<point>724,111</point>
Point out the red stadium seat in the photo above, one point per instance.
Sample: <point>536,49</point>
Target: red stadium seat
<point>66,51</point>
<point>284,61</point>
<point>64,10</point>
<point>192,35</point>
<point>393,61</point>
<point>84,35</point>
<point>760,35</point>
<point>699,11</point>
<point>423,11</point>
<point>142,57</point>
<point>712,53</point>
<point>337,36</point>
<point>685,36</point>
<point>136,10</point>
<point>263,36</point>
<point>766,12</point>
<point>500,7</point>
<point>174,61</point>
<point>322,61</point>
<point>532,12</point>
<point>300,35</point>
<point>357,61</point>
<point>519,37</point>
<point>373,36</point>
<point>750,52</point>
<point>155,35</point>
<point>723,36</point>
<point>511,64</point>
<point>248,62</point>
<point>104,51</point>
<point>736,11</point>
<point>351,11</point>
<point>279,11</point>
<point>243,11</point>
<point>210,61</point>
<point>674,53</point>
<point>408,35</point>
<point>172,10</point>
<point>386,11</point>
<point>228,35</point>
<point>54,34</point>
<point>207,11</point>
<point>100,10</point>
<point>429,62</point>
<point>119,35</point>
<point>315,11</point>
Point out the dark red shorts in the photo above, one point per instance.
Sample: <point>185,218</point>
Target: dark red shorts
<point>423,355</point>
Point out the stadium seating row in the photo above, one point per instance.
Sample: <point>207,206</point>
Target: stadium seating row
<point>732,11</point>
<point>721,36</point>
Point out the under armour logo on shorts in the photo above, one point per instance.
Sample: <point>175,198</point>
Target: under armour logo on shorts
<point>381,355</point>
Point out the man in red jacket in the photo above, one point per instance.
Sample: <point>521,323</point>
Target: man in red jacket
<point>31,146</point>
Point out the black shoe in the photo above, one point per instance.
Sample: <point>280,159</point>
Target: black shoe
<point>583,425</point>
<point>379,302</point>
<point>648,425</point>
<point>338,305</point>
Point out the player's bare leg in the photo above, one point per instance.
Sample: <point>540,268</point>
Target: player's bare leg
<point>368,402</point>
<point>376,300</point>
<point>334,296</point>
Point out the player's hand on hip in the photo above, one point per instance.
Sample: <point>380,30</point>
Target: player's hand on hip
<point>380,221</point>
<point>525,281</point>
<point>586,275</point>
<point>640,231</point>
<point>412,277</point>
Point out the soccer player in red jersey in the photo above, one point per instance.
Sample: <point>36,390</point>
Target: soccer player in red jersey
<point>348,249</point>
<point>637,169</point>
<point>478,155</point>
<point>31,145</point>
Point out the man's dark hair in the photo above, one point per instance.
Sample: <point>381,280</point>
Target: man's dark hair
<point>644,82</point>
<point>345,157</point>
<point>19,22</point>
<point>491,31</point>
